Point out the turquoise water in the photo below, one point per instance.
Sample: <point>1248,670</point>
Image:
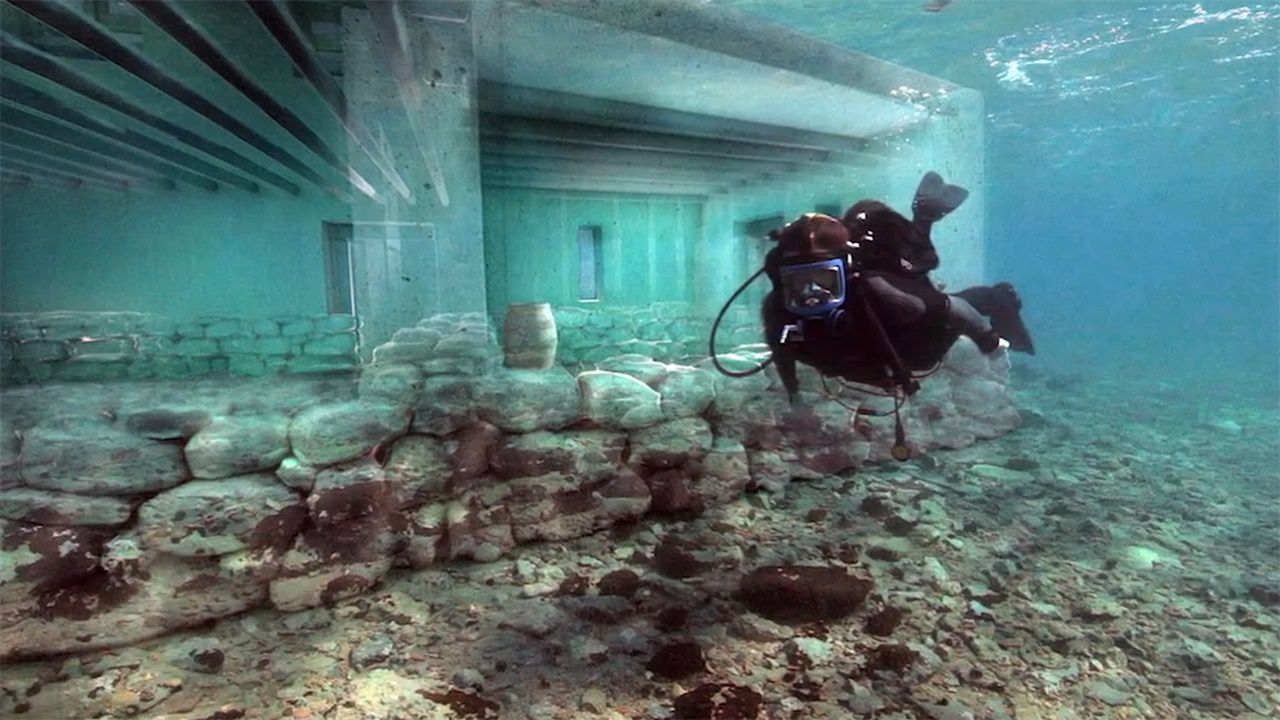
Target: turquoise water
<point>1133,159</point>
<point>214,504</point>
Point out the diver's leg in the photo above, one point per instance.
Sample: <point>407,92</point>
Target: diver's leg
<point>894,306</point>
<point>964,319</point>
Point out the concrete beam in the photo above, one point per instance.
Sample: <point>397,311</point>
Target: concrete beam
<point>93,36</point>
<point>561,181</point>
<point>71,178</point>
<point>492,161</point>
<point>201,44</point>
<point>79,156</point>
<point>28,96</point>
<point>54,71</point>
<point>727,31</point>
<point>16,117</point>
<point>9,150</point>
<point>503,99</point>
<point>282,27</point>
<point>494,126</point>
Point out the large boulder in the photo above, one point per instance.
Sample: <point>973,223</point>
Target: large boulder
<point>722,474</point>
<point>90,456</point>
<point>167,423</point>
<point>238,445</point>
<point>641,367</point>
<point>559,507</point>
<point>801,594</point>
<point>328,434</point>
<point>732,392</point>
<point>527,400</point>
<point>217,517</point>
<point>686,392</point>
<point>588,454</point>
<point>39,559</point>
<point>54,508</point>
<point>614,400</point>
<point>424,541</point>
<point>421,467</point>
<point>396,383</point>
<point>476,528</point>
<point>354,491</point>
<point>671,443</point>
<point>127,598</point>
<point>337,561</point>
<point>472,449</point>
<point>444,404</point>
<point>725,472</point>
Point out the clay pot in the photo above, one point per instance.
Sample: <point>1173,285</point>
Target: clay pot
<point>529,336</point>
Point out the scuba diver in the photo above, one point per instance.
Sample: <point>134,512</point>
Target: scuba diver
<point>852,297</point>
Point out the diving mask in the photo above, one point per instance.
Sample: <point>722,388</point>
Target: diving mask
<point>813,288</point>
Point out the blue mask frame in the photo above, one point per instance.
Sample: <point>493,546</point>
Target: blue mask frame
<point>804,295</point>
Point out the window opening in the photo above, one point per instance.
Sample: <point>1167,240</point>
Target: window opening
<point>339,283</point>
<point>589,262</point>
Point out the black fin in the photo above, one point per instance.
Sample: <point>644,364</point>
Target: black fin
<point>934,199</point>
<point>1001,304</point>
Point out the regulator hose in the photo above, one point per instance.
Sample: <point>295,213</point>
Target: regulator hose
<point>715,327</point>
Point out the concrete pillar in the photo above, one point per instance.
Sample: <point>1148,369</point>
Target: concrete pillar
<point>423,254</point>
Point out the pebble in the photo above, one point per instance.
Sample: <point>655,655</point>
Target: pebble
<point>1108,692</point>
<point>1100,608</point>
<point>1191,694</point>
<point>585,648</point>
<point>1137,557</point>
<point>525,571</point>
<point>533,618</point>
<point>202,655</point>
<point>594,700</point>
<point>862,700</point>
<point>999,474</point>
<point>934,571</point>
<point>950,711</point>
<point>538,589</point>
<point>375,650</point>
<point>1255,702</point>
<point>817,651</point>
<point>627,641</point>
<point>760,629</point>
<point>1227,425</point>
<point>468,678</point>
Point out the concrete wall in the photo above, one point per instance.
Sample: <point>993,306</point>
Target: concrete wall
<point>181,253</point>
<point>531,247</point>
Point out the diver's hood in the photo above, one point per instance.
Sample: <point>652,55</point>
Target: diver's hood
<point>812,289</point>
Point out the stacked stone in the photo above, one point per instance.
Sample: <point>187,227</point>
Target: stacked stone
<point>118,529</point>
<point>841,426</point>
<point>669,332</point>
<point>43,347</point>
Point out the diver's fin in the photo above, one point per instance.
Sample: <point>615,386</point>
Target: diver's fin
<point>934,199</point>
<point>1001,304</point>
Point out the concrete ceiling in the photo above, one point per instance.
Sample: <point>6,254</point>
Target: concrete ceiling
<point>627,96</point>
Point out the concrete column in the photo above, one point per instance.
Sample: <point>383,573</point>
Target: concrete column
<point>423,254</point>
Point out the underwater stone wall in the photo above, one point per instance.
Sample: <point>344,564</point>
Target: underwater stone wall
<point>671,332</point>
<point>75,346</point>
<point>120,528</point>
